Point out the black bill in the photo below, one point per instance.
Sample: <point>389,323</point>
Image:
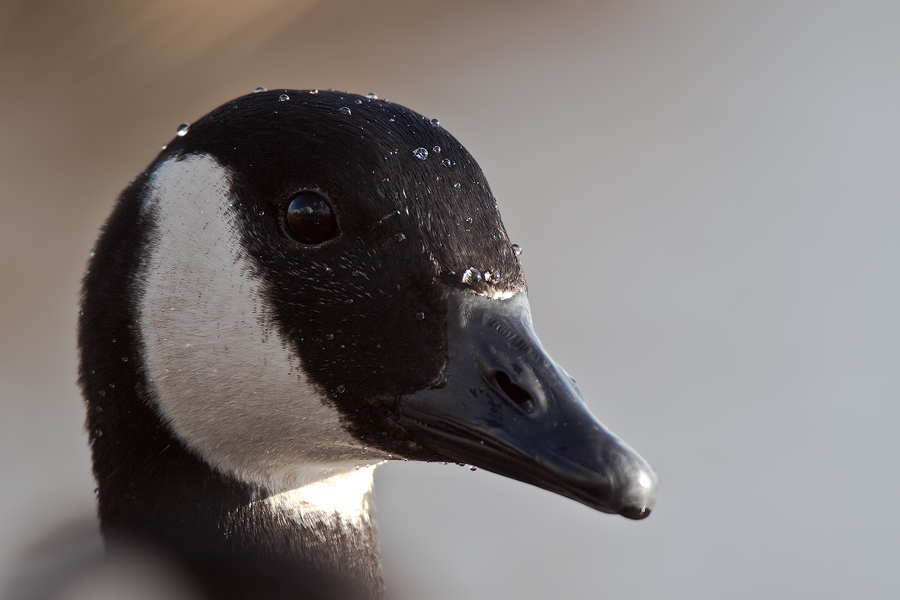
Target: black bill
<point>505,406</point>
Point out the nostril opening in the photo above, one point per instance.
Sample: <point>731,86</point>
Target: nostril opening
<point>516,393</point>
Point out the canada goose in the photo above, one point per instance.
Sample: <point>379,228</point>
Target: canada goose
<point>304,284</point>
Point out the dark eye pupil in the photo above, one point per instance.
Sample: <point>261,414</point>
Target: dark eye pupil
<point>309,219</point>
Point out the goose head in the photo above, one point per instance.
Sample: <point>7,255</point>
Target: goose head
<point>305,283</point>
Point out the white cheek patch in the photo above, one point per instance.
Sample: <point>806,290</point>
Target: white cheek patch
<point>224,378</point>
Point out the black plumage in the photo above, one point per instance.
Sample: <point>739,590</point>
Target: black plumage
<point>370,313</point>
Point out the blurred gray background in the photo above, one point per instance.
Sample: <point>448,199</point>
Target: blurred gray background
<point>708,198</point>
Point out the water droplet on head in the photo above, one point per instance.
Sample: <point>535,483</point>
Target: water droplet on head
<point>283,97</point>
<point>456,186</point>
<point>447,162</point>
<point>124,359</point>
<point>182,129</point>
<point>473,468</point>
<point>517,249</point>
<point>340,389</point>
<point>313,91</point>
<point>437,149</point>
<point>345,110</point>
<point>468,219</point>
<point>329,336</point>
<point>165,146</point>
<point>400,237</point>
<point>359,101</point>
<point>259,89</point>
<point>102,393</point>
<point>435,122</point>
<point>420,316</point>
<point>420,153</point>
<point>372,96</point>
<point>471,275</point>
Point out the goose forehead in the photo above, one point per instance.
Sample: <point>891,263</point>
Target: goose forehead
<point>387,170</point>
<point>223,376</point>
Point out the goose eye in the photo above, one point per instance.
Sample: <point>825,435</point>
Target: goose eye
<point>309,219</point>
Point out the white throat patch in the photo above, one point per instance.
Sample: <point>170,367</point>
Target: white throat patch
<point>224,378</point>
<point>335,494</point>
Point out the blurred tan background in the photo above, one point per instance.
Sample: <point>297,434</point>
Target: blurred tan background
<point>708,196</point>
